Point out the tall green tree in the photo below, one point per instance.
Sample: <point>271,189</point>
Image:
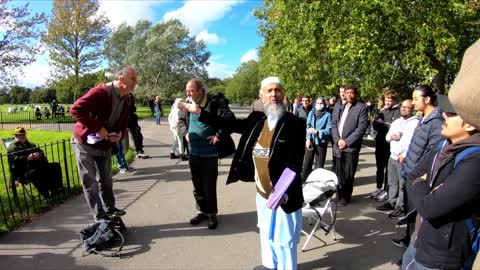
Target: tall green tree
<point>244,85</point>
<point>19,33</point>
<point>63,87</point>
<point>19,94</point>
<point>165,56</point>
<point>75,37</point>
<point>317,45</point>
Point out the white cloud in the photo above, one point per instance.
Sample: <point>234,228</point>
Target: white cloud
<point>252,54</point>
<point>196,15</point>
<point>219,70</point>
<point>248,18</point>
<point>35,74</point>
<point>209,38</point>
<point>128,11</point>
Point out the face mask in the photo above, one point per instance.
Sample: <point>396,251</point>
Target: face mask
<point>319,107</point>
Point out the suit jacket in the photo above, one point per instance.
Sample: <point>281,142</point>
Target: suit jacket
<point>287,150</point>
<point>353,129</point>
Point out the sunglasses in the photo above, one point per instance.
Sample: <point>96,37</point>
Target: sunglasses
<point>449,114</point>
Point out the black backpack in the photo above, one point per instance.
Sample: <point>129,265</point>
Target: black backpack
<point>102,238</point>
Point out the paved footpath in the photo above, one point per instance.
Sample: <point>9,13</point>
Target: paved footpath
<point>159,202</point>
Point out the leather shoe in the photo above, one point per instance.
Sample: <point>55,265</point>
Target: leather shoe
<point>115,212</point>
<point>396,213</point>
<point>198,218</point>
<point>342,202</point>
<point>212,222</point>
<point>385,207</point>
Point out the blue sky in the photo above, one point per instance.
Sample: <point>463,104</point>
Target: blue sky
<point>227,26</point>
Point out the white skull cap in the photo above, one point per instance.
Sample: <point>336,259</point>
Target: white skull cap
<point>270,80</point>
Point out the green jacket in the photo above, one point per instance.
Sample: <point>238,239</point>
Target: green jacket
<point>17,157</point>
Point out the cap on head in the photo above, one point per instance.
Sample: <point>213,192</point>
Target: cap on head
<point>270,80</point>
<point>464,94</point>
<point>20,131</point>
<point>444,104</point>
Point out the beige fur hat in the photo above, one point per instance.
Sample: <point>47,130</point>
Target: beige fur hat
<point>465,91</point>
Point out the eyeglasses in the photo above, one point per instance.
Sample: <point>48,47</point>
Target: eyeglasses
<point>448,114</point>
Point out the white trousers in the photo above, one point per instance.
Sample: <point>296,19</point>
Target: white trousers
<point>279,235</point>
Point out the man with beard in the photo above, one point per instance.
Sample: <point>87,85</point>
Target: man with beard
<point>270,143</point>
<point>207,145</point>
<point>348,127</point>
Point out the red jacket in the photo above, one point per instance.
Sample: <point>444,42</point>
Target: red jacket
<point>92,111</point>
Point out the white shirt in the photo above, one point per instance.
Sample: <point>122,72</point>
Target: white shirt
<point>272,122</point>
<point>406,127</point>
<point>342,120</point>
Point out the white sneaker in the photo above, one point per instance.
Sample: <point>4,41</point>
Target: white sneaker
<point>375,194</point>
<point>383,196</point>
<point>142,156</point>
<point>122,170</point>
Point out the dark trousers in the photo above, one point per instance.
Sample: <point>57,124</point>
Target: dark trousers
<point>346,167</point>
<point>409,230</point>
<point>204,172</point>
<point>382,154</point>
<point>137,136</point>
<point>334,160</point>
<point>318,153</point>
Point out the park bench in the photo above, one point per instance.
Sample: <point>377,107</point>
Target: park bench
<point>57,114</point>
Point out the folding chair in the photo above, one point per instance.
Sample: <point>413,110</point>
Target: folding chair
<point>320,205</point>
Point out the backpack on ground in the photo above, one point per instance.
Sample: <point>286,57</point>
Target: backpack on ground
<point>102,238</point>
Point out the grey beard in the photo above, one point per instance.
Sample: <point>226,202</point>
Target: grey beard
<point>276,110</point>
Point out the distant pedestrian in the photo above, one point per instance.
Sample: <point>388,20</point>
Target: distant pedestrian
<point>177,148</point>
<point>136,130</point>
<point>151,105</point>
<point>158,109</point>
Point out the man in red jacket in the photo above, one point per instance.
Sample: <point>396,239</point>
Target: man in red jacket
<point>101,116</point>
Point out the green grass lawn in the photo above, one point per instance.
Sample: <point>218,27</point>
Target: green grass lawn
<point>28,116</point>
<point>57,148</point>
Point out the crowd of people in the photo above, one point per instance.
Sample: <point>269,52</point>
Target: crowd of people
<point>426,153</point>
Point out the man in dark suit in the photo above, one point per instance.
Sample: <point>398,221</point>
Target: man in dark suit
<point>348,127</point>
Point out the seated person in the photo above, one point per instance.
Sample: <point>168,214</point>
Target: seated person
<point>27,161</point>
<point>46,112</point>
<point>38,113</point>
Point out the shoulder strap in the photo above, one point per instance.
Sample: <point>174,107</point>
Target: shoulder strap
<point>464,153</point>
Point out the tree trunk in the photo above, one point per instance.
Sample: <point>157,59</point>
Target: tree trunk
<point>440,79</point>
